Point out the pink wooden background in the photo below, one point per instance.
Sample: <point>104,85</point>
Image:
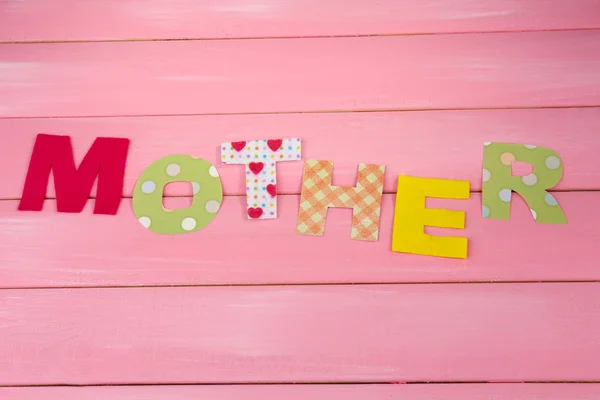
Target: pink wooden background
<point>95,307</point>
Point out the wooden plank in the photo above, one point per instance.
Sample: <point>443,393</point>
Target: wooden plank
<point>315,392</point>
<point>372,333</point>
<point>48,249</point>
<point>538,69</point>
<point>445,144</point>
<point>162,19</point>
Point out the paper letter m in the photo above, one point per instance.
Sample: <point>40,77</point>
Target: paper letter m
<point>105,161</point>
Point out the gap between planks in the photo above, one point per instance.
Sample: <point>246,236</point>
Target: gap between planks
<point>297,37</point>
<point>298,194</point>
<point>481,282</point>
<point>304,384</point>
<point>374,110</point>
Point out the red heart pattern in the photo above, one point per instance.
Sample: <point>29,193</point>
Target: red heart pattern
<point>256,167</point>
<point>255,212</point>
<point>274,144</point>
<point>238,146</point>
<point>260,159</point>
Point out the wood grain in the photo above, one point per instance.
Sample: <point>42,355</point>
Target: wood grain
<point>373,333</point>
<point>162,19</point>
<point>440,144</point>
<point>48,249</point>
<point>315,392</point>
<point>539,69</point>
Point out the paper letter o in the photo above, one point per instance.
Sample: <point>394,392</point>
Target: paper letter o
<point>148,194</point>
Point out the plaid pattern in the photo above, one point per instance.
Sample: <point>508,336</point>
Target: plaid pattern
<point>318,195</point>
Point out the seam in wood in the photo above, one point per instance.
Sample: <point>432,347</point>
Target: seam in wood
<point>162,286</point>
<point>593,190</point>
<point>375,110</point>
<point>279,37</point>
<point>285,383</point>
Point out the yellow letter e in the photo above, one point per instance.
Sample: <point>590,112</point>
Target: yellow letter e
<point>411,217</point>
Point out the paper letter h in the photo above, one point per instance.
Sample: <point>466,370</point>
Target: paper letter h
<point>318,195</point>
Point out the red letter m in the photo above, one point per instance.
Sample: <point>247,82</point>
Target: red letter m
<point>105,160</point>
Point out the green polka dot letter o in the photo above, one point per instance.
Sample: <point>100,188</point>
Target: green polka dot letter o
<point>148,194</point>
<point>498,181</point>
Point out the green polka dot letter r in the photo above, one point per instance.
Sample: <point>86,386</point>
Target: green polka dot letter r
<point>499,183</point>
<point>148,195</point>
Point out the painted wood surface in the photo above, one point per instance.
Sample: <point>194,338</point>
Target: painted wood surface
<point>539,69</point>
<point>48,249</point>
<point>166,19</point>
<point>364,333</point>
<point>315,392</point>
<point>281,321</point>
<point>444,144</point>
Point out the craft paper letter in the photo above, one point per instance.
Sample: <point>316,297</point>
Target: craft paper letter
<point>260,158</point>
<point>499,183</point>
<point>318,195</point>
<point>148,194</point>
<point>411,217</point>
<point>104,160</point>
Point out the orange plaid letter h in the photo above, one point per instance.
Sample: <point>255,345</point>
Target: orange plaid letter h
<point>318,195</point>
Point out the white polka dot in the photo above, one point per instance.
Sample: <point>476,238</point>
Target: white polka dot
<point>148,187</point>
<point>173,169</point>
<point>486,175</point>
<point>145,221</point>
<point>485,212</point>
<point>212,206</point>
<point>534,214</point>
<point>188,224</point>
<point>505,195</point>
<point>550,200</point>
<point>552,162</point>
<point>487,143</point>
<point>213,171</point>
<point>195,187</point>
<point>530,146</point>
<point>530,179</point>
